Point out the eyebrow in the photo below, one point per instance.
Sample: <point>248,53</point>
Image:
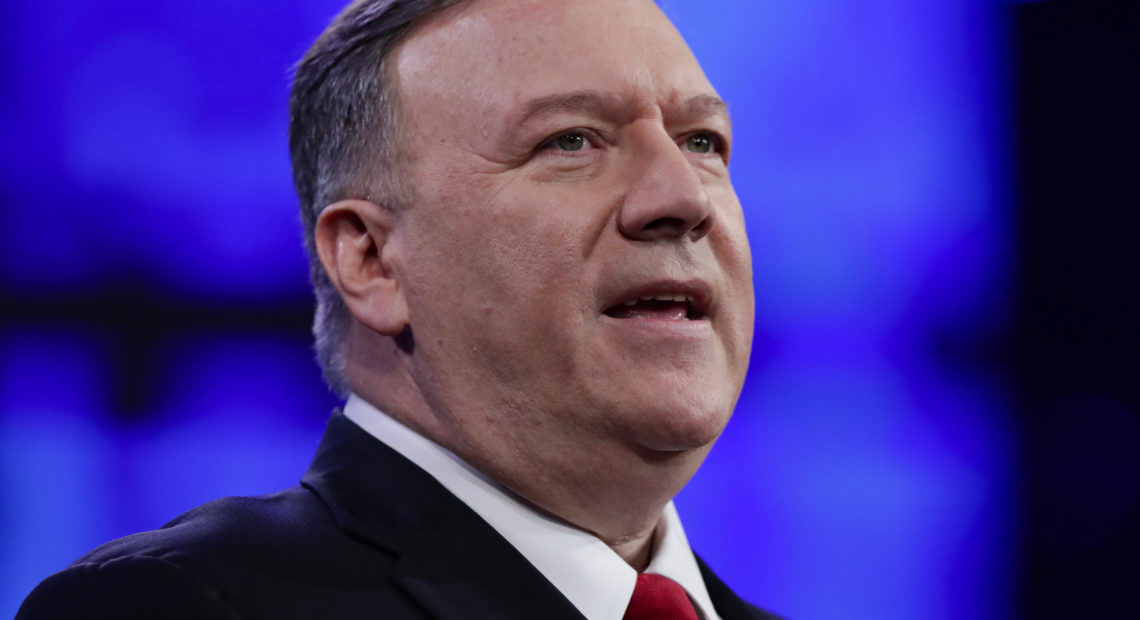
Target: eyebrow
<point>695,107</point>
<point>706,106</point>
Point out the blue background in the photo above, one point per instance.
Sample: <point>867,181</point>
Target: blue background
<point>155,355</point>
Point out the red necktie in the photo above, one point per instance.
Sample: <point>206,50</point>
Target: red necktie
<point>659,598</point>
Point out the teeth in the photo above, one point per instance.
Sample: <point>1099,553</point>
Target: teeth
<point>682,298</point>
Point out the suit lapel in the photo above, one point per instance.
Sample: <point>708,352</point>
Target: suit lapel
<point>451,562</point>
<point>460,567</point>
<point>728,605</point>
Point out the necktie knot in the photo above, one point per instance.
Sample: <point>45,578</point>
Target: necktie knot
<point>659,598</point>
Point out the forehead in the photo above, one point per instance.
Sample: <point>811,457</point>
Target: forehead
<point>495,53</point>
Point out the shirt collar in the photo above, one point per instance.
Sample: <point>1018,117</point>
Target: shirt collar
<point>587,572</point>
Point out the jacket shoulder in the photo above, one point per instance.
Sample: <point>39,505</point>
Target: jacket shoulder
<point>126,587</point>
<point>229,529</point>
<point>272,556</point>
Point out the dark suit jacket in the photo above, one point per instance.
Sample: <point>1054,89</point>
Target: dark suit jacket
<point>367,534</point>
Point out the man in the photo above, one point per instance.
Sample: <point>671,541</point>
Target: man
<point>534,286</point>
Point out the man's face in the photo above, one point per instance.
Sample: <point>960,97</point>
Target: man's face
<point>569,160</point>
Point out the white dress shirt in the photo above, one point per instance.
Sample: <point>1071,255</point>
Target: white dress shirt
<point>588,573</point>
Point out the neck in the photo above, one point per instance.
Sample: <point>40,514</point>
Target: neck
<point>623,510</point>
<point>601,484</point>
<point>636,551</point>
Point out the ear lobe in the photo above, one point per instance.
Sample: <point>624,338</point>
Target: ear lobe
<point>353,242</point>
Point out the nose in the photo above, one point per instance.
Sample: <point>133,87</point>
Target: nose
<point>666,198</point>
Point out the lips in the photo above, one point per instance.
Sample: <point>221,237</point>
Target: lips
<point>666,301</point>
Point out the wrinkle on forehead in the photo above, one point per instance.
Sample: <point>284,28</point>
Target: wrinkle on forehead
<point>585,101</point>
<point>537,43</point>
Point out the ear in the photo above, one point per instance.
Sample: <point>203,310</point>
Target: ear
<point>352,240</point>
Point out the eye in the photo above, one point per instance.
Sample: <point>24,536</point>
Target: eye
<point>700,143</point>
<point>569,141</point>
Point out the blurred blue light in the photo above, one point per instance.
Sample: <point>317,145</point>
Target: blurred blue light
<point>165,163</point>
<point>53,454</point>
<point>240,414</point>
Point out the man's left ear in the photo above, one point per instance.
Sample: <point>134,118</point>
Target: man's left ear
<point>353,242</point>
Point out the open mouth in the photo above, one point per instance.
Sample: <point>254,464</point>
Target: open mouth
<point>663,307</point>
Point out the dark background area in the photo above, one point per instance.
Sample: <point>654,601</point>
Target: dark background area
<point>1077,343</point>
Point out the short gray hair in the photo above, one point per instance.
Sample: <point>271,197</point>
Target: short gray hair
<point>343,140</point>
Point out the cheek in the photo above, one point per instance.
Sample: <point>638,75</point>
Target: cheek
<point>501,271</point>
<point>731,246</point>
<point>535,245</point>
<point>734,256</point>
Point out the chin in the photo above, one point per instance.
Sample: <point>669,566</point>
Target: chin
<point>672,409</point>
<point>682,427</point>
